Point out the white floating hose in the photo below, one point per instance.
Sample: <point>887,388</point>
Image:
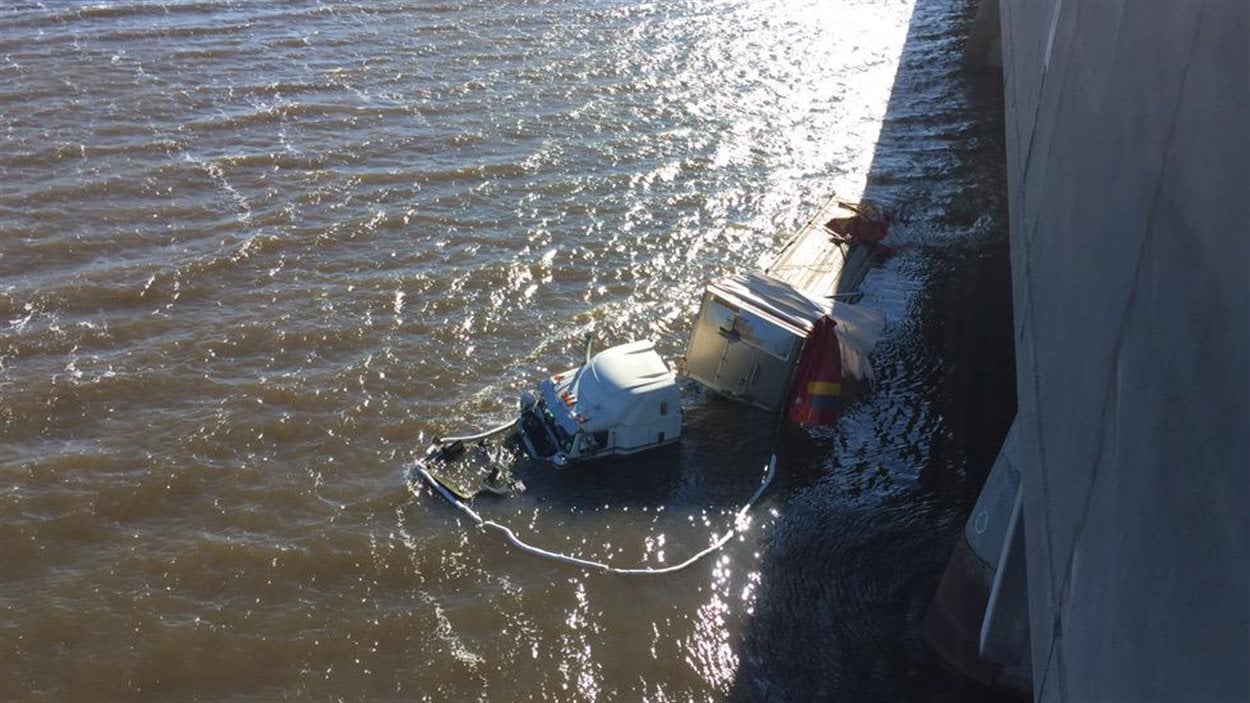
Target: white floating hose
<point>587,563</point>
<point>480,435</point>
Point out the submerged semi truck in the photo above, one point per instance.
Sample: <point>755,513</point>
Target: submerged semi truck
<point>754,341</point>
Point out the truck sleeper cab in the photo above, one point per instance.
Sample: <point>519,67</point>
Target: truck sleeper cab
<point>622,401</point>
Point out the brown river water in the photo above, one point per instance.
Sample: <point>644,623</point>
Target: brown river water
<point>255,255</point>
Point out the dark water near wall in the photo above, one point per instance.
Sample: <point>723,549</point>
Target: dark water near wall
<point>253,256</point>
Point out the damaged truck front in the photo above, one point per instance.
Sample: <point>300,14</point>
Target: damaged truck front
<point>623,400</point>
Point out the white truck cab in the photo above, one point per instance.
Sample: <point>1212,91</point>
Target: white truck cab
<point>623,400</point>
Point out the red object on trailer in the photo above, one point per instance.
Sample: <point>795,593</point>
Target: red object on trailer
<point>868,224</point>
<point>816,392</point>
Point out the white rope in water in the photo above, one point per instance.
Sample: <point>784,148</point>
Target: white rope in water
<point>480,435</point>
<point>587,563</point>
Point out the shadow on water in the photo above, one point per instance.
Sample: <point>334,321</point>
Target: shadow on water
<point>871,509</point>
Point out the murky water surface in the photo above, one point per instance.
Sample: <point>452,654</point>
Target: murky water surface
<point>254,255</point>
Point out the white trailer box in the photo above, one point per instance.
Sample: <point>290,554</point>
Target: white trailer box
<point>747,340</point>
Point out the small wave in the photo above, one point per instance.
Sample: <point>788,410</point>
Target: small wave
<point>284,87</point>
<point>174,32</point>
<point>71,190</point>
<point>162,9</point>
<point>141,145</point>
<point>323,115</point>
<point>86,14</point>
<point>476,172</point>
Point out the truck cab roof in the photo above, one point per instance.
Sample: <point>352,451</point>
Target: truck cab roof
<point>616,388</point>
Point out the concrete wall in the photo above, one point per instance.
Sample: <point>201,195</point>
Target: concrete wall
<point>1128,152</point>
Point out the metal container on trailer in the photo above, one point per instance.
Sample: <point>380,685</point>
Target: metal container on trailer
<point>747,339</point>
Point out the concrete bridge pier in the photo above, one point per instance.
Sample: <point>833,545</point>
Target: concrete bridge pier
<point>1128,176</point>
